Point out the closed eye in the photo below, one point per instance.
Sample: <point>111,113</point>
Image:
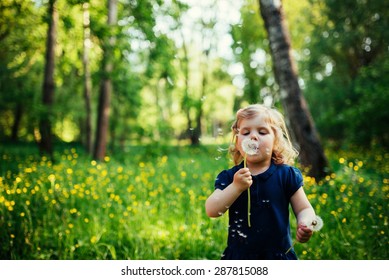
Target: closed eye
<point>261,131</point>
<point>245,132</point>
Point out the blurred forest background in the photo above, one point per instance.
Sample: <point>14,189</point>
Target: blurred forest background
<point>125,77</point>
<point>178,70</point>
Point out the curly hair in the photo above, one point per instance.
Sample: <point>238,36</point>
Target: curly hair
<point>283,150</point>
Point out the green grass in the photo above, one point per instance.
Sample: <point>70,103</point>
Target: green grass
<point>148,203</point>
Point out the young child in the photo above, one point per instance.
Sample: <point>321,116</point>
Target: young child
<point>258,189</point>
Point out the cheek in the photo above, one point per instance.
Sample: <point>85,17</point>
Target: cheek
<point>268,151</point>
<point>267,144</point>
<point>238,144</point>
<point>265,148</point>
<point>239,139</point>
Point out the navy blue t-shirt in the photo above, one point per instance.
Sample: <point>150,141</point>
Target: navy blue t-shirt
<point>269,235</point>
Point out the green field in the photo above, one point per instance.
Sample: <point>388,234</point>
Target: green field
<point>147,202</point>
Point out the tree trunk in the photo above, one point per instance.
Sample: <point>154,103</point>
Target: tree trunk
<point>106,88</point>
<point>297,112</point>
<point>102,119</point>
<point>186,103</point>
<point>87,79</point>
<point>46,141</point>
<point>17,120</point>
<point>197,132</point>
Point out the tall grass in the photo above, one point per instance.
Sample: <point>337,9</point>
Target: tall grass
<point>148,203</point>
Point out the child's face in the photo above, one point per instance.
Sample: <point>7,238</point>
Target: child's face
<point>260,131</point>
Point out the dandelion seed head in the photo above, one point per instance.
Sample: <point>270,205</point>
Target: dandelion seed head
<point>316,224</point>
<point>250,146</point>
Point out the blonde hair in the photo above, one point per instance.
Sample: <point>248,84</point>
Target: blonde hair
<point>283,150</point>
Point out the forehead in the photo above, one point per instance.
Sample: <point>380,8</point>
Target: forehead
<point>254,122</point>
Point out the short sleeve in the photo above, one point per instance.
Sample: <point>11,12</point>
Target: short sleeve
<point>223,180</point>
<point>294,182</point>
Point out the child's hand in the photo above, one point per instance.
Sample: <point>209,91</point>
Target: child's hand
<point>243,179</point>
<point>303,233</point>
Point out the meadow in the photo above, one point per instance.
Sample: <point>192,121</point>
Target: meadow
<point>147,203</point>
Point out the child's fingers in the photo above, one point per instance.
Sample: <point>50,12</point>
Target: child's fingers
<point>243,178</point>
<point>244,170</point>
<point>303,233</point>
<point>304,228</point>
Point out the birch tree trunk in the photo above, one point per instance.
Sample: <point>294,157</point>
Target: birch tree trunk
<point>106,87</point>
<point>303,129</point>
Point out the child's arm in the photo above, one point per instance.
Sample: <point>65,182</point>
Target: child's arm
<point>303,212</point>
<point>220,200</point>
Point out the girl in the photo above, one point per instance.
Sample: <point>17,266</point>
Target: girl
<point>258,196</point>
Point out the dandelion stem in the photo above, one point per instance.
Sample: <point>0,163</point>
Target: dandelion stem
<point>248,195</point>
<point>290,248</point>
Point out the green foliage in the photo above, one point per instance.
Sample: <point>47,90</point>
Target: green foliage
<point>147,202</point>
<point>353,203</point>
<point>21,57</point>
<point>346,71</point>
<point>251,50</point>
<point>157,80</point>
<point>138,206</point>
<point>370,114</point>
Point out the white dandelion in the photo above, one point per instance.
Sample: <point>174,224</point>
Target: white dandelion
<point>316,224</point>
<point>313,223</point>
<point>250,147</point>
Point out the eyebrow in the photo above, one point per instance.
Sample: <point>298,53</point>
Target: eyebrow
<point>249,127</point>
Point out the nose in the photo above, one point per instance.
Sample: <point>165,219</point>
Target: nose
<point>254,135</point>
